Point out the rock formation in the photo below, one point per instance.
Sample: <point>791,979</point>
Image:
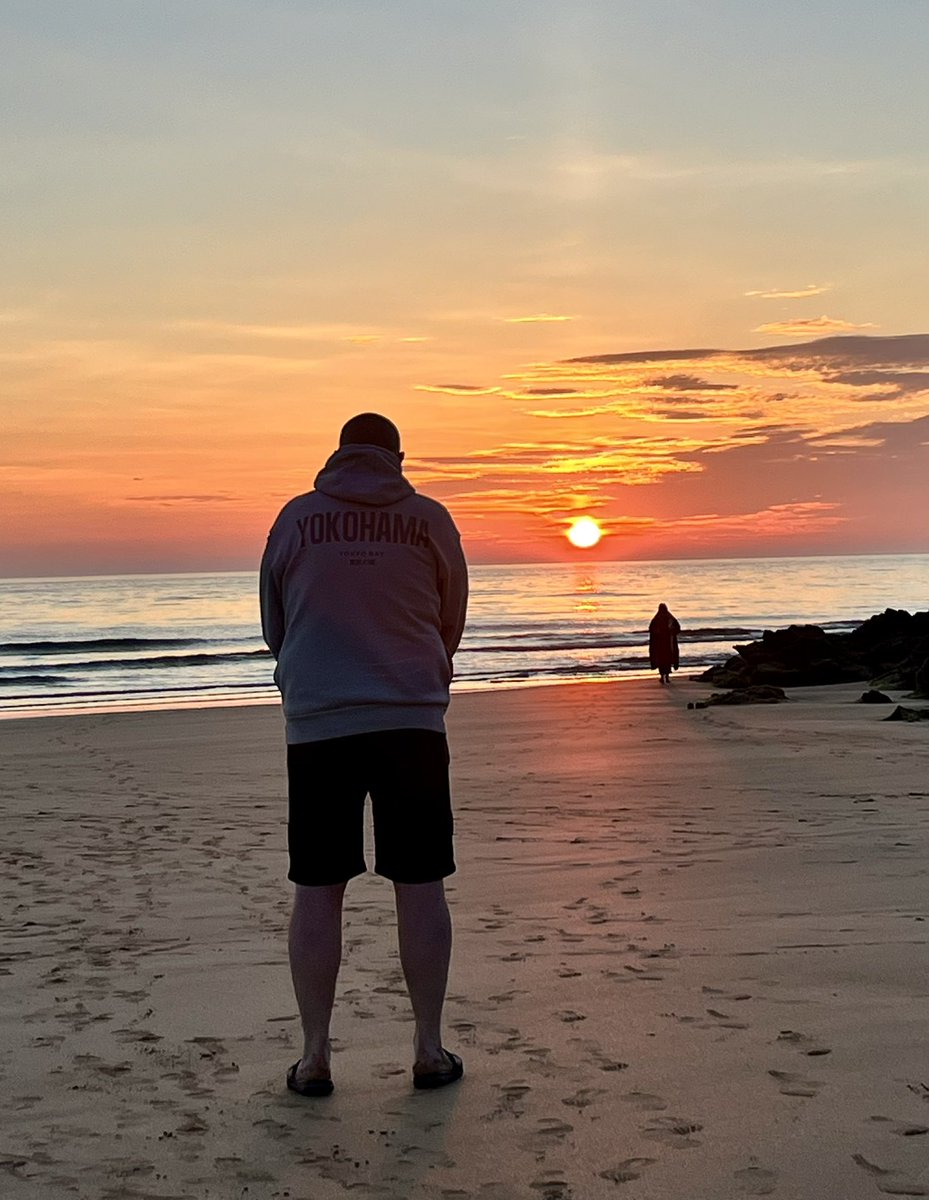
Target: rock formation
<point>891,650</point>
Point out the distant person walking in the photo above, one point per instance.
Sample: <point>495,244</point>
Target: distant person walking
<point>662,643</point>
<point>363,595</point>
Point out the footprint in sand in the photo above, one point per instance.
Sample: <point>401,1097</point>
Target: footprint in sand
<point>548,1132</point>
<point>674,1131</point>
<point>889,1180</point>
<point>540,1060</point>
<point>137,1035</point>
<point>807,1045</point>
<point>506,997</point>
<point>646,1101</point>
<point>724,1020</point>
<point>790,1084</point>
<point>552,1186</point>
<point>642,973</point>
<point>712,991</point>
<point>388,1070</point>
<point>194,1123</point>
<point>756,1181</point>
<point>627,1170</point>
<point>596,1057</point>
<point>584,1097</point>
<point>510,1103</point>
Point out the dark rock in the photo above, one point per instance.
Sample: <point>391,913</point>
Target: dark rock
<point>874,697</point>
<point>888,650</point>
<point>908,714</point>
<point>901,713</point>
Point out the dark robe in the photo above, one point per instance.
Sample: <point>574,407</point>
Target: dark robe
<point>662,642</point>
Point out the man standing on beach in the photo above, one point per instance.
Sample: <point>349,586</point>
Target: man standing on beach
<point>363,597</point>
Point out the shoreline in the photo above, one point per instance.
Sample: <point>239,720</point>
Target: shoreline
<point>678,681</point>
<point>690,956</point>
<point>462,689</point>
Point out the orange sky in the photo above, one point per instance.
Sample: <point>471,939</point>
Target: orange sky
<point>587,260</point>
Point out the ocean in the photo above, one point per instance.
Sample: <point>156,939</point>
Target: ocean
<point>117,643</point>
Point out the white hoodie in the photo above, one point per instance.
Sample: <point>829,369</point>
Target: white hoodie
<point>363,590</point>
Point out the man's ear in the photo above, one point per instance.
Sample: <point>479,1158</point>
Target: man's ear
<point>401,456</point>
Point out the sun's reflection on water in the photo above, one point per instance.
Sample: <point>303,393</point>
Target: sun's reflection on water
<point>586,591</point>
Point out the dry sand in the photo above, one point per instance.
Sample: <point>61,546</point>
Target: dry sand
<point>690,960</point>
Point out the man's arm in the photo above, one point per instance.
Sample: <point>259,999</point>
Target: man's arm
<point>272,605</point>
<point>453,590</point>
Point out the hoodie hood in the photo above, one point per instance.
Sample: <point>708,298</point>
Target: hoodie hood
<point>363,475</point>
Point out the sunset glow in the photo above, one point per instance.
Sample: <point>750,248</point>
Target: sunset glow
<point>588,261</point>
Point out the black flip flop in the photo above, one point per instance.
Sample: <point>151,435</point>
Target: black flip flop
<point>438,1079</point>
<point>311,1087</point>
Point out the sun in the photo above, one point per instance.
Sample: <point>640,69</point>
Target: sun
<point>584,533</point>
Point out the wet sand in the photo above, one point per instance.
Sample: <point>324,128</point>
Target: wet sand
<point>690,960</point>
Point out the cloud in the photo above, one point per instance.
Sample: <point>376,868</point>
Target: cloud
<point>842,352</point>
<point>457,389</point>
<point>689,383</point>
<point>814,385</point>
<point>811,289</point>
<point>777,520</point>
<point>872,475</point>
<point>778,435</point>
<point>522,501</point>
<point>900,381</point>
<point>836,443</point>
<point>599,461</point>
<point>635,399</point>
<point>803,325</point>
<point>550,393</point>
<point>554,504</point>
<point>681,414</point>
<point>568,414</point>
<point>553,391</point>
<point>847,352</point>
<point>537,319</point>
<point>639,356</point>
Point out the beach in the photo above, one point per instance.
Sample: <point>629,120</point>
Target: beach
<point>690,959</point>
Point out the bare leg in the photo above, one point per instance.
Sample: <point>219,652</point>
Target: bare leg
<point>315,956</point>
<point>424,927</point>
